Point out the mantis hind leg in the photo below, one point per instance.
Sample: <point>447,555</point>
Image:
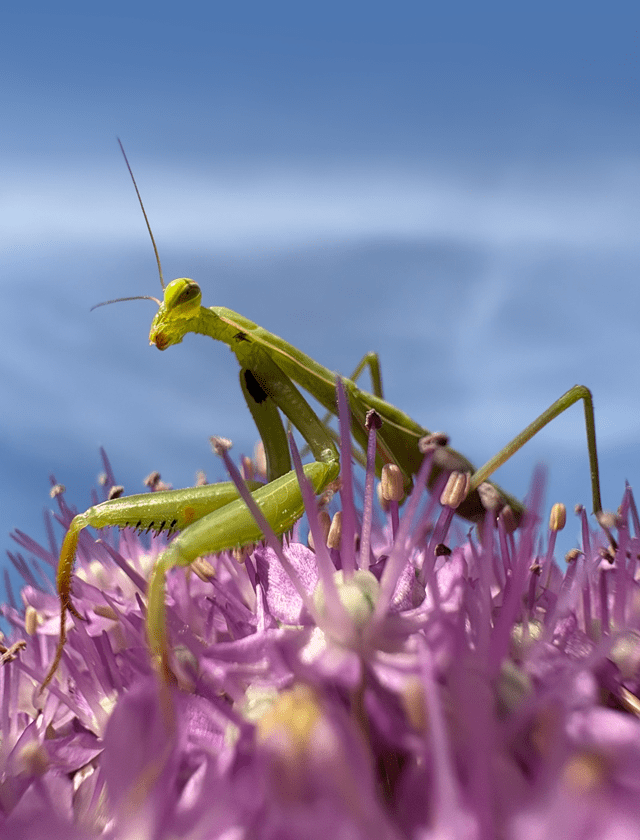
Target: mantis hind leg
<point>578,392</point>
<point>370,360</point>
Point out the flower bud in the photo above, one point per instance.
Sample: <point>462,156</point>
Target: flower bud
<point>335,531</point>
<point>391,483</point>
<point>324,522</point>
<point>456,489</point>
<point>558,517</point>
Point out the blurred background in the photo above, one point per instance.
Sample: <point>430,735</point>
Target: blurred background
<point>456,186</point>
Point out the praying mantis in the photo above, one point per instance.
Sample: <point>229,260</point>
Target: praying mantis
<point>214,518</point>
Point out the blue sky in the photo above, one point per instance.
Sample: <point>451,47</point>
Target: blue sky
<point>456,187</point>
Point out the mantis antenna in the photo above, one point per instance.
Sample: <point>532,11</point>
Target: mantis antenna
<point>153,242</point>
<point>144,213</point>
<point>119,300</point>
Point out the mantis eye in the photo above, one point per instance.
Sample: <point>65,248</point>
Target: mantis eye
<point>190,291</point>
<point>182,293</point>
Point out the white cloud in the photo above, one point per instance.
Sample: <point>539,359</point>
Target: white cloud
<point>271,207</point>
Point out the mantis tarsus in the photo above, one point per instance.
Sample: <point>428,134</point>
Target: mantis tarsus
<point>213,518</point>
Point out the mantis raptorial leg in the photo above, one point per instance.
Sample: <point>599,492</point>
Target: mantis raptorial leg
<point>212,518</point>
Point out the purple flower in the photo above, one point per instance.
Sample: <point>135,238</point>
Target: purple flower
<point>405,684</point>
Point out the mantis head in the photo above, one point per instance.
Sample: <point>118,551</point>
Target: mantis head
<point>176,314</point>
<point>179,311</point>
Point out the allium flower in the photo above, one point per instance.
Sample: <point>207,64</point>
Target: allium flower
<point>406,681</point>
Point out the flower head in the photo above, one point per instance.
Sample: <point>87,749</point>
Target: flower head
<point>400,682</point>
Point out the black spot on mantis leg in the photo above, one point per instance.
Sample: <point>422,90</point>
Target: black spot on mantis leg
<point>253,387</point>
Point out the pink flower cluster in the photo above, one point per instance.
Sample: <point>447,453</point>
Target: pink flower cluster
<point>416,682</point>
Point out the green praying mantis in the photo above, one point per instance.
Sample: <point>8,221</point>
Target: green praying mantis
<point>213,518</point>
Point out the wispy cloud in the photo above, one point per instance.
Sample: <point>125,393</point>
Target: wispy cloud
<point>267,206</point>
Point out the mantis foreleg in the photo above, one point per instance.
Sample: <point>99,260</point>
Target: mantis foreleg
<point>232,526</point>
<point>269,424</point>
<point>212,518</point>
<point>168,511</point>
<point>266,388</point>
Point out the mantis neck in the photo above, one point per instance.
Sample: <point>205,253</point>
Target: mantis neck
<point>222,324</point>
